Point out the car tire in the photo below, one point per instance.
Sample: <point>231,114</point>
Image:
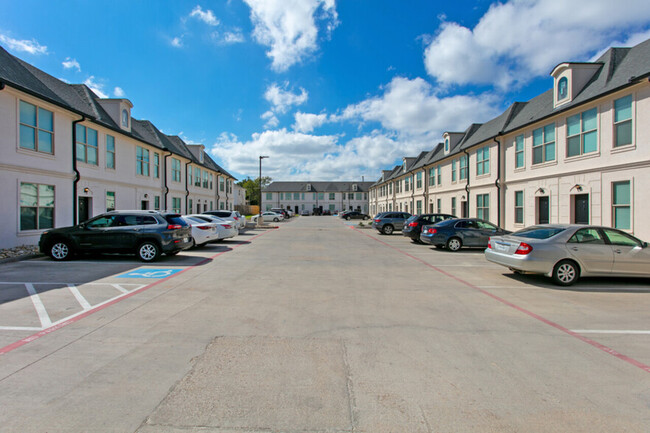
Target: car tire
<point>60,250</point>
<point>566,273</point>
<point>366,218</point>
<point>148,251</point>
<point>347,218</point>
<point>387,229</point>
<point>454,244</point>
<point>275,220</point>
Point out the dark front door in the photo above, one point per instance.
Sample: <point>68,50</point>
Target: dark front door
<point>84,209</point>
<point>542,210</point>
<point>463,209</point>
<point>144,204</point>
<point>581,207</point>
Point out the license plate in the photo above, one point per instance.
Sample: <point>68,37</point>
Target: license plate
<point>186,239</point>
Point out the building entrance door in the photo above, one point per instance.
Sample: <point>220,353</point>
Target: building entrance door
<point>542,210</point>
<point>581,209</point>
<point>84,209</point>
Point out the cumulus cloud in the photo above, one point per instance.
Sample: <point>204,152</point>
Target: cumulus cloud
<point>307,122</point>
<point>233,37</point>
<point>177,42</point>
<point>26,46</point>
<point>71,64</point>
<point>289,27</point>
<point>521,39</point>
<point>96,87</point>
<point>119,92</point>
<point>205,16</point>
<point>282,99</point>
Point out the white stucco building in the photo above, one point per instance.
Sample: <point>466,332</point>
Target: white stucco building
<point>316,197</point>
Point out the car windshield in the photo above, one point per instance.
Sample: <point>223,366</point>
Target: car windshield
<point>539,232</point>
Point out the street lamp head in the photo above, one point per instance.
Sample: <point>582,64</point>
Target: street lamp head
<point>262,157</point>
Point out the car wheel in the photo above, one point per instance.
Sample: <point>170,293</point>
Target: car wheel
<point>387,230</point>
<point>366,218</point>
<point>275,220</point>
<point>566,273</point>
<point>60,250</point>
<point>347,218</point>
<point>148,251</point>
<point>454,244</point>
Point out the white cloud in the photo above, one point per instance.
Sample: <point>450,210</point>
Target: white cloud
<point>289,28</point>
<point>177,42</point>
<point>205,16</point>
<point>97,88</point>
<point>71,64</point>
<point>521,39</point>
<point>282,99</point>
<point>306,122</point>
<point>272,120</point>
<point>119,92</point>
<point>233,37</point>
<point>632,40</point>
<point>31,47</point>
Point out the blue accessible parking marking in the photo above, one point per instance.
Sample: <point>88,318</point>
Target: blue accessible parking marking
<point>150,273</point>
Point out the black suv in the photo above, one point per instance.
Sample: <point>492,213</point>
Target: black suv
<point>413,225</point>
<point>146,234</point>
<point>354,215</point>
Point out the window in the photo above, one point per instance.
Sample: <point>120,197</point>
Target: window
<point>587,236</point>
<point>221,184</point>
<point>483,206</point>
<point>156,165</point>
<point>110,151</point>
<point>206,180</point>
<point>419,180</point>
<point>156,202</point>
<point>623,121</point>
<point>197,176</point>
<point>562,88</point>
<point>621,205</point>
<point>519,207</point>
<point>519,151</point>
<point>446,144</point>
<point>406,184</point>
<point>110,201</point>
<point>438,175</point>
<point>463,168</point>
<point>176,204</point>
<point>582,133</point>
<point>190,205</point>
<point>269,196</point>
<point>418,205</point>
<point>189,175</point>
<point>351,194</point>
<point>544,144</point>
<point>432,176</point>
<point>390,190</point>
<point>86,145</point>
<point>453,205</point>
<point>453,170</point>
<point>176,170</point>
<point>313,196</point>
<point>619,238</point>
<point>332,196</point>
<point>142,161</point>
<point>125,118</point>
<point>212,182</point>
<point>358,196</point>
<point>483,161</point>
<point>36,128</point>
<point>439,205</point>
<point>321,196</point>
<point>36,206</point>
<point>296,196</point>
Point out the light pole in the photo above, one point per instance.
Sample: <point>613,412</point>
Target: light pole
<point>259,217</point>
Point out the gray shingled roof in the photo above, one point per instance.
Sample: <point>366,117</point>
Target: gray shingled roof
<point>344,186</point>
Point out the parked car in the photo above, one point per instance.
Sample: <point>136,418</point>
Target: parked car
<point>454,234</point>
<point>304,212</point>
<point>146,234</point>
<point>202,231</point>
<point>268,216</point>
<point>355,215</point>
<point>225,229</point>
<point>567,252</point>
<point>282,212</point>
<point>231,216</point>
<point>413,226</point>
<point>388,222</point>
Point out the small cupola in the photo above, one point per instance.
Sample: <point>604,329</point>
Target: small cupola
<point>450,139</point>
<point>119,110</point>
<point>569,79</point>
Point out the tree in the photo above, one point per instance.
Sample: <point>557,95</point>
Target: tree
<point>252,187</point>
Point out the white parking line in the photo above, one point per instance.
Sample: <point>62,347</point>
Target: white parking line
<point>610,331</point>
<point>120,288</point>
<point>38,304</point>
<point>82,301</point>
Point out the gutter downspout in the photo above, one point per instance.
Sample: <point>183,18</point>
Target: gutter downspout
<point>165,176</point>
<point>187,189</point>
<point>77,175</point>
<point>467,185</point>
<point>497,182</point>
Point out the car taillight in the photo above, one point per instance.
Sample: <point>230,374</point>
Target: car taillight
<point>489,247</point>
<point>204,227</point>
<point>524,249</point>
<point>414,224</point>
<point>174,227</point>
<point>227,226</point>
<point>432,231</point>
<point>377,220</point>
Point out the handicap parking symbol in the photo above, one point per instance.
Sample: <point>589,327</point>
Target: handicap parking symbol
<point>150,273</point>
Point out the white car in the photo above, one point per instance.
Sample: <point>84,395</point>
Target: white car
<point>226,228</point>
<point>202,231</point>
<point>268,216</point>
<point>233,217</point>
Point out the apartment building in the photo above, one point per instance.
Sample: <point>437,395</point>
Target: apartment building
<point>67,155</point>
<point>578,153</point>
<point>317,197</point>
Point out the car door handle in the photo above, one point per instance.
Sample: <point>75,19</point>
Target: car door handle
<point>574,248</point>
<point>617,251</point>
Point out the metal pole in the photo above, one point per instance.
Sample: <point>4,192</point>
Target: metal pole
<point>259,216</point>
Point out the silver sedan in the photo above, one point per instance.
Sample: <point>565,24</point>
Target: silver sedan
<point>567,252</point>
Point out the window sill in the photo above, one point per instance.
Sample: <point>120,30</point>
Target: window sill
<point>622,149</point>
<point>30,152</point>
<point>543,164</point>
<point>589,155</point>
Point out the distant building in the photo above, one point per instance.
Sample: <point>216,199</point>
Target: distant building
<point>317,197</point>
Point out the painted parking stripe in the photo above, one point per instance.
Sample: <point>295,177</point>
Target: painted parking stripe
<point>38,304</point>
<point>82,301</point>
<point>577,335</point>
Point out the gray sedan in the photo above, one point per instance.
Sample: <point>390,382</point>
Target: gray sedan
<point>566,252</point>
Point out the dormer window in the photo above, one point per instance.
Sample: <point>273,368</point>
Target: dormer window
<point>125,118</point>
<point>201,157</point>
<point>354,187</point>
<point>446,144</point>
<point>309,187</point>
<point>562,88</point>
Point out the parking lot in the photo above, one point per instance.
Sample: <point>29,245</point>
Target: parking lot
<point>319,325</point>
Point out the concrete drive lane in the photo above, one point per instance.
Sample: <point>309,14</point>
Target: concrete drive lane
<point>319,326</point>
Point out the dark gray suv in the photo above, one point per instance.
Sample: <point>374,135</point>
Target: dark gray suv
<point>146,234</point>
<point>388,222</point>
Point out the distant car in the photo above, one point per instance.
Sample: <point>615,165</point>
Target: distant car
<point>225,229</point>
<point>355,215</point>
<point>281,211</point>
<point>268,216</point>
<point>567,252</point>
<point>455,234</point>
<point>232,216</point>
<point>202,231</point>
<point>147,234</point>
<point>388,222</point>
<point>413,226</point>
<point>304,213</point>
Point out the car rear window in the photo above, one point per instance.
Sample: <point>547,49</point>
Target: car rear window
<point>176,219</point>
<point>539,232</point>
<point>220,214</point>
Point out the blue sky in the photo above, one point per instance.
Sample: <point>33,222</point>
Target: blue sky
<point>329,89</point>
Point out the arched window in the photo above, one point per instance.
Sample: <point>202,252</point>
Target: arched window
<point>447,144</point>
<point>562,88</point>
<point>125,118</point>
